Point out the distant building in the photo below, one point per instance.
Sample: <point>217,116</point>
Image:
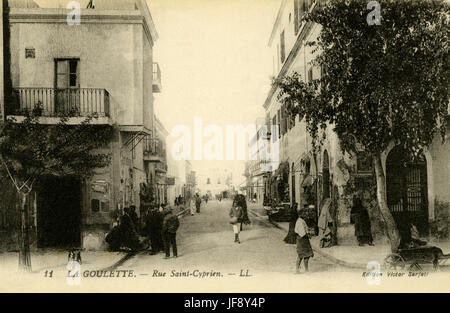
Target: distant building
<point>215,181</point>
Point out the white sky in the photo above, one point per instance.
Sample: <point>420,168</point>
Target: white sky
<point>215,64</point>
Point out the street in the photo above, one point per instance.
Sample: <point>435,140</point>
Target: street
<point>206,242</point>
<point>209,261</point>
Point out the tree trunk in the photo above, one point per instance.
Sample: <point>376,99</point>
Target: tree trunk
<point>392,230</point>
<point>24,238</point>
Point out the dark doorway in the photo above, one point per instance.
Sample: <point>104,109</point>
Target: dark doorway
<point>59,212</point>
<point>407,192</point>
<point>326,176</point>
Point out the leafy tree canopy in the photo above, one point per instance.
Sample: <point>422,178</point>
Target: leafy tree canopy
<point>30,149</point>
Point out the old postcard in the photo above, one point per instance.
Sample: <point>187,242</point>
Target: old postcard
<point>219,146</point>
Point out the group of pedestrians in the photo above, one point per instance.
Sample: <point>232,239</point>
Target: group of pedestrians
<point>158,225</point>
<point>300,232</point>
<point>124,233</point>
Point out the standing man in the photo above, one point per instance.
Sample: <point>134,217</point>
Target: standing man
<point>169,232</point>
<point>198,202</point>
<point>154,230</point>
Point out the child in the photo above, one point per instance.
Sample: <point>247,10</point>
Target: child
<point>304,250</point>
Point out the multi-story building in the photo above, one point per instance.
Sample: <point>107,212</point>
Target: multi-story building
<point>189,188</point>
<point>329,179</point>
<point>155,155</point>
<point>215,181</point>
<point>101,66</point>
<point>256,169</point>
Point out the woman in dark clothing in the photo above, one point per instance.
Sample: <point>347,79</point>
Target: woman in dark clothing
<point>154,230</point>
<point>291,237</point>
<point>134,217</point>
<point>360,217</point>
<point>130,237</point>
<point>239,200</point>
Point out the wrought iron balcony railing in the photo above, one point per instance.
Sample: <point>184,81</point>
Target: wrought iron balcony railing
<point>154,148</point>
<point>69,102</point>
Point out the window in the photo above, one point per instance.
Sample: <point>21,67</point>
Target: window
<point>104,206</point>
<point>274,124</point>
<point>67,73</point>
<point>95,205</point>
<point>279,123</point>
<point>310,74</point>
<point>296,15</point>
<point>363,163</point>
<point>282,48</point>
<point>284,120</point>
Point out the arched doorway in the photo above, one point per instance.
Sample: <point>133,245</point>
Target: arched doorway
<point>407,190</point>
<point>325,176</point>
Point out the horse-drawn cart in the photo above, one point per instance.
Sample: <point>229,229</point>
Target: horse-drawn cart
<point>414,257</point>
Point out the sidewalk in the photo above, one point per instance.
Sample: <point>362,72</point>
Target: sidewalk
<point>56,260</point>
<point>348,254</point>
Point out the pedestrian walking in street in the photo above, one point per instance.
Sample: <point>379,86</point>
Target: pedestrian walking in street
<point>169,232</point>
<point>198,202</point>
<point>304,250</point>
<point>291,237</point>
<point>191,204</point>
<point>235,220</point>
<point>360,217</point>
<point>239,200</point>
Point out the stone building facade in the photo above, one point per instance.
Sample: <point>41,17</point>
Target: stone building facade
<point>80,69</point>
<point>418,191</point>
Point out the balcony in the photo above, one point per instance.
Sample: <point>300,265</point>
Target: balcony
<point>161,168</point>
<point>156,78</point>
<point>154,150</point>
<point>51,103</point>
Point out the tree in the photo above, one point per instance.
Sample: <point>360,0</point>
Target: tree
<point>380,84</point>
<point>30,150</point>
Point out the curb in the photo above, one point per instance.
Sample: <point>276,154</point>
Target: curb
<point>319,250</point>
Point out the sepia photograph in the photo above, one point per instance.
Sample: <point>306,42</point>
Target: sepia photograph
<point>224,146</point>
